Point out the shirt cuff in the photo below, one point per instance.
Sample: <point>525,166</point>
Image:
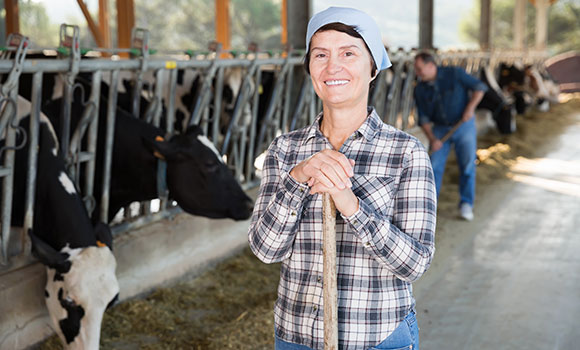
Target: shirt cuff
<point>359,221</point>
<point>296,192</point>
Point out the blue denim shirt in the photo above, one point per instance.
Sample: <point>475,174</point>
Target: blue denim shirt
<point>443,100</point>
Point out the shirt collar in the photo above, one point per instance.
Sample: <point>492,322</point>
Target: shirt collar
<point>367,130</point>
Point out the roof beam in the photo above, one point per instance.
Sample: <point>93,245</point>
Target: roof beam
<point>92,25</point>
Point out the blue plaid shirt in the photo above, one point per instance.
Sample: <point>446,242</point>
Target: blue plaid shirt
<point>383,247</point>
<point>443,100</point>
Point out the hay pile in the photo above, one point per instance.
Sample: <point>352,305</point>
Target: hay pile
<point>231,306</point>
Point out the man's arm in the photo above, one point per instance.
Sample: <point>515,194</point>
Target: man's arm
<point>434,143</point>
<point>469,111</point>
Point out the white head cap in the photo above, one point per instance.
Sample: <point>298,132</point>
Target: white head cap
<point>364,25</point>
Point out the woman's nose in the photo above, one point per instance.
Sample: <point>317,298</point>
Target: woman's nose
<point>333,65</point>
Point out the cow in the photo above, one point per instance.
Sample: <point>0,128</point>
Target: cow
<point>80,265</point>
<point>502,109</point>
<point>197,178</point>
<point>529,86</point>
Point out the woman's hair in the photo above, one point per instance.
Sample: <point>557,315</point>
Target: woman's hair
<point>343,28</point>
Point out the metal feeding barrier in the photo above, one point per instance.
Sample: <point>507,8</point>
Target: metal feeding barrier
<point>272,96</point>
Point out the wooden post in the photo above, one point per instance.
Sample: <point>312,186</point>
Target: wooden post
<point>12,21</point>
<point>125,24</point>
<point>104,27</point>
<point>222,23</point>
<point>329,287</point>
<point>284,23</point>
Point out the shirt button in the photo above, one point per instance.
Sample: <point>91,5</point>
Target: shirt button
<point>301,189</point>
<point>367,244</point>
<point>315,308</point>
<point>355,222</point>
<point>293,213</point>
<point>319,279</point>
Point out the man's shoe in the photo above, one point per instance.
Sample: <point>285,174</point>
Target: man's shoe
<point>466,211</point>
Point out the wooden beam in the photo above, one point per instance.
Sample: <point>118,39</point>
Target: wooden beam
<point>284,23</point>
<point>104,27</point>
<point>125,23</point>
<point>92,25</point>
<point>12,22</point>
<point>222,23</point>
<point>485,24</point>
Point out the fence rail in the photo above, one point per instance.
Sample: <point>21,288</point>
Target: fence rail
<point>241,133</point>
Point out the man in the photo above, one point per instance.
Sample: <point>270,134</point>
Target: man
<point>443,101</point>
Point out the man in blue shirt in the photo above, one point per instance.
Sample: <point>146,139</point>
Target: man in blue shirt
<point>443,100</point>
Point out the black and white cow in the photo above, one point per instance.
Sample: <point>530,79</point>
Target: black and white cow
<point>197,177</point>
<point>80,265</point>
<point>502,109</point>
<point>529,85</point>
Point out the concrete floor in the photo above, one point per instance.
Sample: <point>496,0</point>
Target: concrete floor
<point>510,279</point>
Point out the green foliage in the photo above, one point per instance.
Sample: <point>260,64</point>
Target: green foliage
<point>35,24</point>
<point>255,21</point>
<point>563,25</point>
<point>173,24</point>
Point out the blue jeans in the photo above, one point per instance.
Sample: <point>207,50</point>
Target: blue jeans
<point>405,336</point>
<point>464,141</point>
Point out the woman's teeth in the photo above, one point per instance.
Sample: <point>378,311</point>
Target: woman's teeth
<point>336,82</point>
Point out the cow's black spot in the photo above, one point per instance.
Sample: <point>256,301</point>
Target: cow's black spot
<point>71,325</point>
<point>58,277</point>
<point>113,301</point>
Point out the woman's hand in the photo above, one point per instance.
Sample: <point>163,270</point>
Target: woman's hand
<point>329,171</point>
<point>328,167</point>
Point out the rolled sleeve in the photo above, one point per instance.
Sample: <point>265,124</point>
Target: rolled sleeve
<point>277,211</point>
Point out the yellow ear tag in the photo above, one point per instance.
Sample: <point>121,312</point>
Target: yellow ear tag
<point>159,138</point>
<point>101,244</point>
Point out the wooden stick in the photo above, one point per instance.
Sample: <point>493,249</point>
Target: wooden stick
<point>449,133</point>
<point>329,287</point>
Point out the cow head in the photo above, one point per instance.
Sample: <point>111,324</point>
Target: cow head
<point>199,180</point>
<point>80,285</point>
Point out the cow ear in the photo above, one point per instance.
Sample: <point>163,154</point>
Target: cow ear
<point>48,256</point>
<point>160,148</point>
<point>104,235</point>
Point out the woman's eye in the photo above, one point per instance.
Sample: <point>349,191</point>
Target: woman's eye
<point>320,55</point>
<point>348,53</point>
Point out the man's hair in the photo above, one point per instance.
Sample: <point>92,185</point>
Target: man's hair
<point>426,57</point>
<point>343,28</point>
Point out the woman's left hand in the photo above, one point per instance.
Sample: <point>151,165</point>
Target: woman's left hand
<point>344,200</point>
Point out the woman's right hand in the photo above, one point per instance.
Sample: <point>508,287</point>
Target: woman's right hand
<point>329,167</point>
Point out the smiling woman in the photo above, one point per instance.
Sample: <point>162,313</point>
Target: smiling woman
<point>381,182</point>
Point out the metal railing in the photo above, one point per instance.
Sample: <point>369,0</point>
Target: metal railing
<point>242,134</point>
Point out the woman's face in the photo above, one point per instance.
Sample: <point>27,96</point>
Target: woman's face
<point>340,69</point>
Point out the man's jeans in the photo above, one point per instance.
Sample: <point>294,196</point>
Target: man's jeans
<point>464,141</point>
<point>404,337</point>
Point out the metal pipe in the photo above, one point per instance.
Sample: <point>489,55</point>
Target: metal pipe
<point>111,111</point>
<point>33,133</point>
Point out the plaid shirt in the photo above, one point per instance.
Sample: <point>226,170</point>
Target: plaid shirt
<point>383,247</point>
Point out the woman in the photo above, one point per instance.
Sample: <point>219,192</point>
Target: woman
<point>381,182</point>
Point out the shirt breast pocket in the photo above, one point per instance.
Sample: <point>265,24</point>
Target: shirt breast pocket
<point>376,191</point>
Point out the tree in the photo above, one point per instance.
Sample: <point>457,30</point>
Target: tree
<point>35,24</point>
